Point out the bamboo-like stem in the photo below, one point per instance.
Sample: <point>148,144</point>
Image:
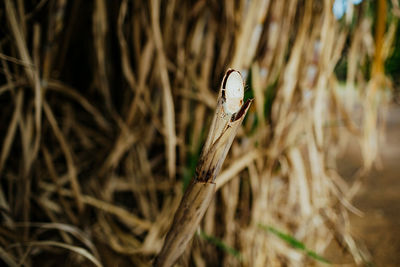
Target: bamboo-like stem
<point>202,188</point>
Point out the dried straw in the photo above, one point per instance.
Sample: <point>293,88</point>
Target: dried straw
<point>106,106</point>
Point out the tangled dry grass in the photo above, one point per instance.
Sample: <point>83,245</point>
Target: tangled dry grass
<point>105,105</point>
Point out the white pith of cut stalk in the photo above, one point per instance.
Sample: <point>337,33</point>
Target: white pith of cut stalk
<point>234,92</point>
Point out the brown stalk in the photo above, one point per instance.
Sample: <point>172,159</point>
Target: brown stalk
<point>168,103</point>
<point>72,170</point>
<point>31,73</point>
<point>200,192</point>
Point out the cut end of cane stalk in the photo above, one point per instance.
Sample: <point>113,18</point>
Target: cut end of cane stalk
<point>232,91</point>
<point>228,117</point>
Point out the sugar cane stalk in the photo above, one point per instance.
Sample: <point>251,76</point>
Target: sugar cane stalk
<point>228,117</point>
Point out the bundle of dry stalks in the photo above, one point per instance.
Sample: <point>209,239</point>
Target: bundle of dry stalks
<point>104,109</point>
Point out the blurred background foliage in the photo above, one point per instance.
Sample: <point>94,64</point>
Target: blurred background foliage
<point>105,106</point>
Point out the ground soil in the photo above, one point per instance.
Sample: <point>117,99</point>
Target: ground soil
<point>379,198</point>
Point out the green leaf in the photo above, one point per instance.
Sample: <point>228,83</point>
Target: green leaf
<point>294,243</point>
<point>220,244</point>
